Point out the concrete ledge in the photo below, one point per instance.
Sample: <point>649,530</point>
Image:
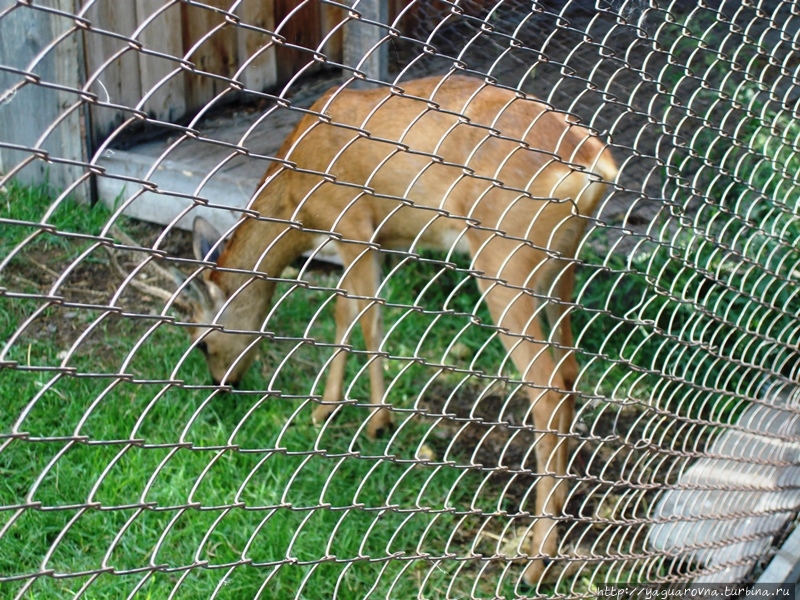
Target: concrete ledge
<point>176,184</point>
<point>785,565</point>
<point>726,516</point>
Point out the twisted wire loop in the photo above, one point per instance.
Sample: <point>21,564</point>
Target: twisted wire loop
<point>127,471</point>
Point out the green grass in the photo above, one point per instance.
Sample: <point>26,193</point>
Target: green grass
<point>214,491</point>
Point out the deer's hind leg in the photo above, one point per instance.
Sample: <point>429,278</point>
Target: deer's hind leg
<point>512,272</point>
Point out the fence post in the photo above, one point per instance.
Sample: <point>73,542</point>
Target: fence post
<point>361,37</point>
<point>40,120</point>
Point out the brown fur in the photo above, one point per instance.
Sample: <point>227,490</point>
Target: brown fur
<point>451,158</point>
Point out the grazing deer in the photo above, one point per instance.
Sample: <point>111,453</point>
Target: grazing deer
<point>448,162</point>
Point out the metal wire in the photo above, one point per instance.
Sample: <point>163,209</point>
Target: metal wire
<point>127,472</point>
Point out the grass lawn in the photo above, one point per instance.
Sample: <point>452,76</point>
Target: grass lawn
<point>122,470</point>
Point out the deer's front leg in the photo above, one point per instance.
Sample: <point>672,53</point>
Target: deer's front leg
<point>345,316</point>
<point>361,282</point>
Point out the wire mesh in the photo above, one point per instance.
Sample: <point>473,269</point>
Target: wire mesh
<point>430,232</point>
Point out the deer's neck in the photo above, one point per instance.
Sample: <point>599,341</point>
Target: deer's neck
<point>262,250</point>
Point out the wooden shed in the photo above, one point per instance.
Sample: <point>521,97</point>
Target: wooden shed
<point>82,76</point>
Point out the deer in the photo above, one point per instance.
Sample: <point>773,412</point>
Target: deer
<point>445,162</point>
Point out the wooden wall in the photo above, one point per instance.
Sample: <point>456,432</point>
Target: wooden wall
<point>42,114</point>
<point>162,58</point>
<point>154,79</point>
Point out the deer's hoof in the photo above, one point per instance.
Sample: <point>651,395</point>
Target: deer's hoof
<point>381,424</point>
<point>321,414</point>
<point>535,572</point>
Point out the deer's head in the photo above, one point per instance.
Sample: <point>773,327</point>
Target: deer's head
<point>221,318</point>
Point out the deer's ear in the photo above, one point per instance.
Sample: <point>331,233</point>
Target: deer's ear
<point>199,293</point>
<point>204,240</point>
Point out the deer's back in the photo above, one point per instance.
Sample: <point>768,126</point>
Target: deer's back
<point>481,154</point>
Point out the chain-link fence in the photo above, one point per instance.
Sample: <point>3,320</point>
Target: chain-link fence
<point>556,243</point>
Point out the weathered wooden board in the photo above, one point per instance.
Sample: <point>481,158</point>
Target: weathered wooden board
<point>256,49</point>
<point>210,42</point>
<point>299,24</point>
<point>181,166</point>
<point>37,117</point>
<point>332,20</point>
<point>163,82</point>
<point>110,61</point>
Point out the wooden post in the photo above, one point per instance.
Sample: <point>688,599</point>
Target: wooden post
<point>362,38</point>
<point>45,122</point>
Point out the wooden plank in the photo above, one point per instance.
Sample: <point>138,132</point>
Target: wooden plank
<point>187,166</point>
<point>25,111</point>
<point>331,19</point>
<point>162,34</point>
<point>216,51</point>
<point>33,116</point>
<point>410,18</point>
<point>112,82</point>
<point>301,28</point>
<point>262,72</point>
<point>71,134</point>
<point>176,180</point>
